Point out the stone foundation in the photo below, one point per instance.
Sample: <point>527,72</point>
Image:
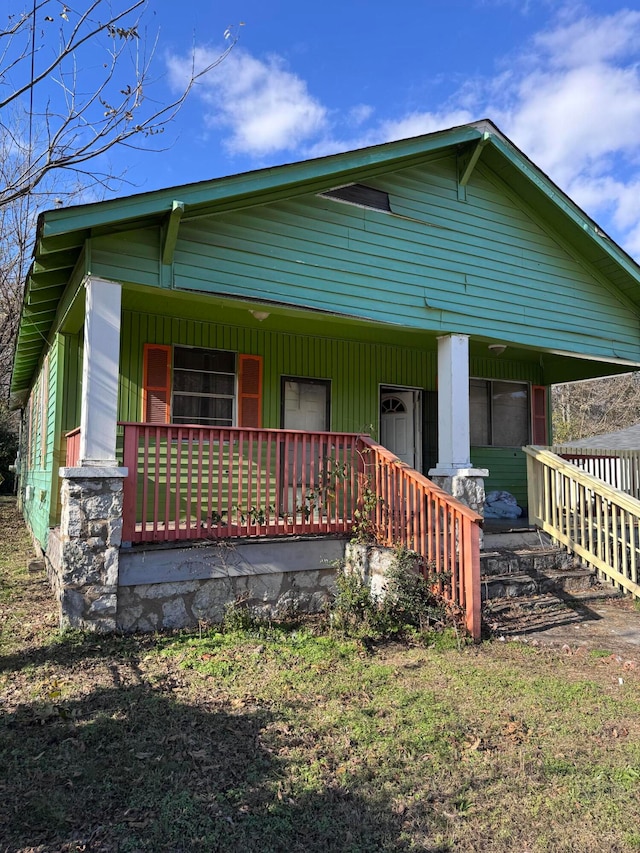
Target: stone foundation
<point>466,485</point>
<point>156,606</point>
<point>372,563</point>
<point>83,555</point>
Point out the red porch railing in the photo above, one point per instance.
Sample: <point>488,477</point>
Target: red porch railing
<point>188,482</point>
<point>411,511</point>
<point>73,448</point>
<point>192,482</point>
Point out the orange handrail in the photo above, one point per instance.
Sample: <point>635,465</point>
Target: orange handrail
<point>415,513</point>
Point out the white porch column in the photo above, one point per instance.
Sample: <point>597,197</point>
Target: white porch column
<point>100,368</point>
<point>453,471</point>
<point>454,449</point>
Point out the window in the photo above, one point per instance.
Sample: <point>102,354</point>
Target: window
<point>191,385</point>
<point>499,413</point>
<point>362,196</point>
<point>204,386</point>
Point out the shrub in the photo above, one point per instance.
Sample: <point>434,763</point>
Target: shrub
<point>409,603</point>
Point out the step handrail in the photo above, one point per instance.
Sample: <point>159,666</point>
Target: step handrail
<point>592,519</point>
<point>555,461</point>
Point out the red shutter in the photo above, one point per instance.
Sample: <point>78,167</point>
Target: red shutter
<point>539,414</point>
<point>250,391</point>
<point>156,392</point>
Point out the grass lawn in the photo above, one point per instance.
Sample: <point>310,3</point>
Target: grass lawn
<point>303,740</point>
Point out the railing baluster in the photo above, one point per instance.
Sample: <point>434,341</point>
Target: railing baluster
<point>600,521</point>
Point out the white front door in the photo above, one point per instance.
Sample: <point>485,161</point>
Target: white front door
<point>399,424</point>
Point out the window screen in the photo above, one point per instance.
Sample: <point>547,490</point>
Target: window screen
<point>204,384</point>
<point>499,413</point>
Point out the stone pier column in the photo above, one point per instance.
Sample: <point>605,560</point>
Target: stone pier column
<point>85,573</point>
<point>84,554</point>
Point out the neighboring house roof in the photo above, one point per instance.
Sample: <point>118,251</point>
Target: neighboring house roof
<point>62,233</point>
<point>622,439</point>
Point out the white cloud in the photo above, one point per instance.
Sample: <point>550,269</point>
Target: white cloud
<point>573,105</point>
<point>265,107</point>
<point>359,114</point>
<point>568,121</point>
<point>590,39</point>
<point>570,99</point>
<point>414,124</point>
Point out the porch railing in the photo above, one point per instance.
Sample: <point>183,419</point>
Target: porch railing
<point>192,482</point>
<point>618,468</point>
<point>188,482</point>
<point>72,452</point>
<point>595,521</point>
<point>411,511</point>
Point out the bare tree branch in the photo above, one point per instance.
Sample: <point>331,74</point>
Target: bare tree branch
<point>73,84</point>
<point>80,125</point>
<point>583,409</point>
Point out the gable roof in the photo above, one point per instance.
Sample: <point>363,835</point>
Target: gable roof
<point>61,233</point>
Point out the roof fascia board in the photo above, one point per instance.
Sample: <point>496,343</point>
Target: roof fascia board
<point>380,157</point>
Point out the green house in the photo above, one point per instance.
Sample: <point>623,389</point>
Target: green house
<point>425,293</point>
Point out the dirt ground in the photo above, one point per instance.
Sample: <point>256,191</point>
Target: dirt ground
<point>597,619</point>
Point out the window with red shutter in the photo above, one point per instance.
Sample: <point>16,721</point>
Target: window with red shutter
<point>156,395</point>
<point>193,385</point>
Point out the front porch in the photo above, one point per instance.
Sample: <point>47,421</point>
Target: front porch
<point>236,486</point>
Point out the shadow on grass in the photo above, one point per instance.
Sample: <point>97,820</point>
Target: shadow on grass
<point>132,769</point>
<point>71,647</point>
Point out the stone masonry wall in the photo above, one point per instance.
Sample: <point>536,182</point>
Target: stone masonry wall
<point>155,606</point>
<point>83,556</point>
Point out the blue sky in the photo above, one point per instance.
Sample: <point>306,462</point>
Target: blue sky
<point>562,80</point>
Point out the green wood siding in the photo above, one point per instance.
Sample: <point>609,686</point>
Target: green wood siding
<point>507,470</point>
<point>355,368</point>
<point>42,453</point>
<point>485,266</point>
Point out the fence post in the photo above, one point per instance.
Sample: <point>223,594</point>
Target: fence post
<point>472,596</point>
<point>130,462</point>
<point>534,492</point>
